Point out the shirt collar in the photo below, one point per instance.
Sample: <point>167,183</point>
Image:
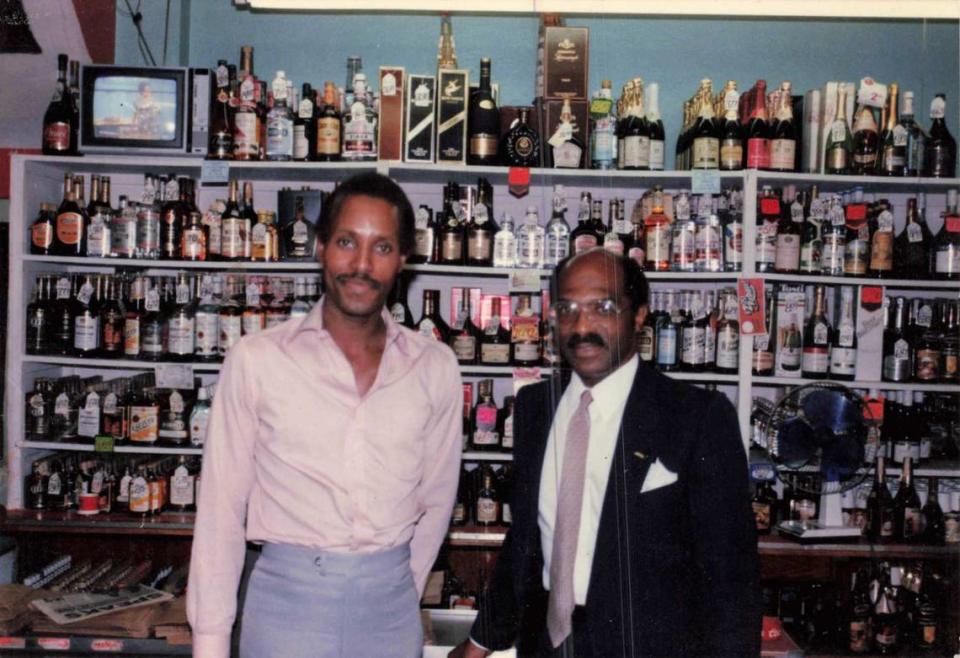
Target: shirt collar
<point>314,322</point>
<point>611,393</point>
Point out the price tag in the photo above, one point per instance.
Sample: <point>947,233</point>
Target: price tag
<point>174,375</point>
<point>705,181</point>
<point>872,93</point>
<point>103,443</point>
<point>522,280</point>
<point>215,172</point>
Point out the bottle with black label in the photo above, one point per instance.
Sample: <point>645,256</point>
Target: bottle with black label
<point>520,146</point>
<point>464,335</point>
<point>452,231</point>
<point>913,245</point>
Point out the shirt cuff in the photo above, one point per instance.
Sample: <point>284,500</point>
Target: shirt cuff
<point>479,646</point>
<point>210,645</point>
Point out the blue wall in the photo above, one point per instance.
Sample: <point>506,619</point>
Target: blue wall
<point>922,56</point>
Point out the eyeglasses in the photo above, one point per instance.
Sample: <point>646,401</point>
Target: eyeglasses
<point>567,311</point>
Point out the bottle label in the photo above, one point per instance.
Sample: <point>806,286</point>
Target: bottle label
<point>604,144</point>
<point>948,260</point>
<point>144,424</point>
<point>706,153</point>
<point>758,153</point>
<point>583,242</point>
<point>928,364</point>
<point>199,419</point>
<point>914,232</point>
<point>693,343</point>
<point>667,347</point>
<point>843,361</point>
<point>252,322</point>
<point>279,137</point>
<point>148,233</point>
<point>151,338</point>
<point>495,353</point>
<point>881,251</point>
<point>831,261</point>
<point>815,360</point>
<point>139,495</point>
<point>480,246</point>
<point>181,335</point>
<point>733,242</point>
<point>451,248</point>
<point>181,487</point>
<point>657,238</point>
<point>483,145</point>
<point>328,136</point>
<point>233,236</point>
<point>731,153</point>
<point>246,135</point>
<point>684,246</point>
<point>428,329</point>
<point>69,228</point>
<point>131,336</point>
<point>152,301</point>
<point>88,421</point>
<point>728,348</point>
<point>123,237</point>
<point>761,512</point>
<point>41,235</point>
<point>656,154</point>
<point>98,237</point>
<point>56,136</point>
<point>486,510</point>
<point>787,256</point>
<point>86,332</point>
<point>192,245</point>
<point>231,329</point>
<point>557,244</point>
<point>465,347</point>
<point>636,152</point>
<point>938,108</point>
<point>782,154</point>
<point>952,222</point>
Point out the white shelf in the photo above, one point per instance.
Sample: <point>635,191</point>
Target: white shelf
<point>476,456</point>
<point>692,276</point>
<point>869,183</point>
<point>922,284</point>
<point>467,270</point>
<point>882,386</point>
<point>703,376</point>
<point>87,447</point>
<point>126,364</point>
<point>150,264</point>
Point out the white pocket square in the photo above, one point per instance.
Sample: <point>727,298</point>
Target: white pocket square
<point>658,476</point>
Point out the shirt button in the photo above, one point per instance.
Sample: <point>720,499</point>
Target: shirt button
<point>318,561</point>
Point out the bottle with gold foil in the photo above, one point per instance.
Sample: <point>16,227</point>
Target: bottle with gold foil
<point>783,144</point>
<point>329,132</point>
<point>655,125</point>
<point>265,240</point>
<point>731,134</point>
<point>839,149</point>
<point>881,240</point>
<point>892,157</point>
<point>705,132</point>
<point>865,142</point>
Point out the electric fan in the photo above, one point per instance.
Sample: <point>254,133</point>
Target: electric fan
<point>826,429</point>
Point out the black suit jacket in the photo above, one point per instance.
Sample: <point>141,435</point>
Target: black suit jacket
<point>675,570</point>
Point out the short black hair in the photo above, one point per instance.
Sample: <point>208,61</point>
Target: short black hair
<point>373,185</point>
<point>635,284</point>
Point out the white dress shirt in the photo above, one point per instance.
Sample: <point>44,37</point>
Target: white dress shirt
<point>606,414</point>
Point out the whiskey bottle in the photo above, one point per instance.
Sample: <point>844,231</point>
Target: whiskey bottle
<point>940,149</point>
<point>866,142</point>
<point>913,245</point>
<point>181,322</point>
<point>181,487</point>
<point>603,129</point>
<point>431,323</point>
<point>557,230</point>
<point>451,237</point>
<point>655,124</point>
<point>207,318</point>
<point>253,318</point>
<point>783,143</point>
<point>153,344</point>
<point>43,229</point>
<point>39,311</point>
<point>520,146</point>
<point>946,245</point>
<point>464,335</point>
<point>525,334</point>
<point>815,360</point>
<point>495,342</point>
<point>171,221</point>
<point>483,121</point>
<point>112,320</point>
<point>482,227</point>
<point>843,342</point>
<point>59,131</point>
<point>892,157</point>
<point>193,240</point>
<point>173,430</point>
<point>328,127</point>
<point>230,320</point>
<point>220,145</point>
<point>839,149</point>
<point>86,319</point>
<point>484,435</point>
<point>916,137</point>
<point>264,239</point>
<point>566,148</point>
<point>99,212</point>
<point>731,133</point>
<point>304,125</point>
<point>246,122</point>
<point>488,501</point>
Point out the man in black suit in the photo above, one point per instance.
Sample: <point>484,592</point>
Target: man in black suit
<point>647,547</point>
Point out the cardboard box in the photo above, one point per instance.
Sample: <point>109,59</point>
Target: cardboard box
<point>870,301</point>
<point>452,88</point>
<point>549,111</point>
<point>566,63</point>
<point>791,306</point>
<point>390,127</point>
<point>812,118</point>
<point>419,136</point>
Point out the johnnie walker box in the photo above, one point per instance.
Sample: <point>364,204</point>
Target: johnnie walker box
<point>452,88</point>
<point>421,105</point>
<point>390,126</point>
<point>566,62</point>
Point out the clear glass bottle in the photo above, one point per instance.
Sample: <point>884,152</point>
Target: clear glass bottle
<point>531,241</point>
<point>505,244</point>
<point>279,145</point>
<point>557,230</point>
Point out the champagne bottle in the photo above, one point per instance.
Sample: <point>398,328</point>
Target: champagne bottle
<point>59,130</point>
<point>940,149</point>
<point>843,342</point>
<point>815,361</point>
<point>946,245</point>
<point>913,245</point>
<point>839,149</point>
<point>892,158</point>
<point>865,142</point>
<point>783,145</point>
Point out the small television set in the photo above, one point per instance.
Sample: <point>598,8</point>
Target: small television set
<point>126,109</point>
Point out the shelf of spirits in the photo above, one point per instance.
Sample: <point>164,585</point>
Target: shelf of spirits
<point>120,449</point>
<point>165,524</point>
<point>880,385</point>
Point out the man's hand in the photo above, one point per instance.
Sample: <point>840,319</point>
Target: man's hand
<point>468,649</point>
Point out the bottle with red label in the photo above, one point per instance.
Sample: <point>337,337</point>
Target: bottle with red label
<point>789,233</point>
<point>484,432</point>
<point>69,238</point>
<point>657,235</point>
<point>42,230</point>
<point>946,245</point>
<point>59,120</point>
<point>757,132</point>
<point>768,220</point>
<point>856,256</point>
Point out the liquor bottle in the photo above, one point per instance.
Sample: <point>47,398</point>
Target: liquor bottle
<point>230,318</point>
<point>757,132</point>
<point>933,520</point>
<point>248,220</point>
<point>946,245</point>
<point>173,429</point>
<point>683,238</point>
<point>531,241</point>
<point>451,237</point>
<point>557,230</point>
<point>856,255</point>
<point>359,124</point>
<point>764,506</point>
<point>220,145</point>
<point>483,121</point>
<point>43,229</point>
<point>264,100</point>
<point>181,487</point>
<point>88,414</point>
<point>843,341</point>
<point>834,232</point>
<point>123,230</point>
<point>431,323</point>
<point>768,221</point>
<point>950,348</point>
<point>692,336</point>
<point>264,238</point>
<point>866,142</point>
<point>86,319</point>
<point>634,133</point>
<point>464,334</point>
<point>99,212</point>
<point>424,236</point>
<point>279,145</point>
<point>505,244</point>
<point>646,336</point>
<point>171,221</point>
<point>908,518</point>
<point>181,322</point>
<point>839,149</point>
<point>520,146</point>
<point>881,239</point>
<point>71,223</point>
<point>705,132</point>
<point>233,228</point>
<point>38,314</point>
<point>488,500</point>
<point>75,99</point>
<point>59,130</point>
<point>298,235</point>
<point>153,344</point>
<point>567,149</point>
<point>667,331</point>
<point>253,317</point>
<point>789,236</point>
<point>657,235</point>
<point>112,320</point>
<point>815,361</point>
<point>495,342</point>
<point>304,125</point>
<point>584,236</point>
<point>728,334</point>
<point>791,348</point>
<point>880,512</point>
<point>483,421</point>
<point>655,124</point>
<point>892,157</point>
<point>61,318</point>
<point>940,149</point>
<point>206,319</point>
<point>897,351</point>
<point>731,219</point>
<point>328,126</point>
<point>913,246</point>
<point>193,239</point>
<point>731,132</point>
<point>603,129</point>
<point>783,142</point>
<point>525,333</point>
<point>916,137</point>
<point>246,129</point>
<point>482,227</point>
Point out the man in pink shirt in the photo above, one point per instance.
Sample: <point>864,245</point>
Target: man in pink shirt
<point>334,442</point>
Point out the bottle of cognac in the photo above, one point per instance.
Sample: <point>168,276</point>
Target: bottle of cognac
<point>483,121</point>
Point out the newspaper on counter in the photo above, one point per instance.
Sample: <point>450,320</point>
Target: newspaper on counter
<point>71,608</point>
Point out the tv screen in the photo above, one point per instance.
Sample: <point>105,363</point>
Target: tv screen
<point>135,108</point>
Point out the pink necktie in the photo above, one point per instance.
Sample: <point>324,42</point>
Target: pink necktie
<point>567,527</point>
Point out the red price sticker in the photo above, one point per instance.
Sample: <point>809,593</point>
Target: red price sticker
<point>54,643</point>
<point>769,206</point>
<point>111,646</point>
<point>871,295</point>
<point>519,181</point>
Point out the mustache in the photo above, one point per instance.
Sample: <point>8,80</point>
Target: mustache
<point>344,278</point>
<point>585,339</point>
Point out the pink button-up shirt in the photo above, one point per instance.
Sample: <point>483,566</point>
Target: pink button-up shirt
<point>294,455</point>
